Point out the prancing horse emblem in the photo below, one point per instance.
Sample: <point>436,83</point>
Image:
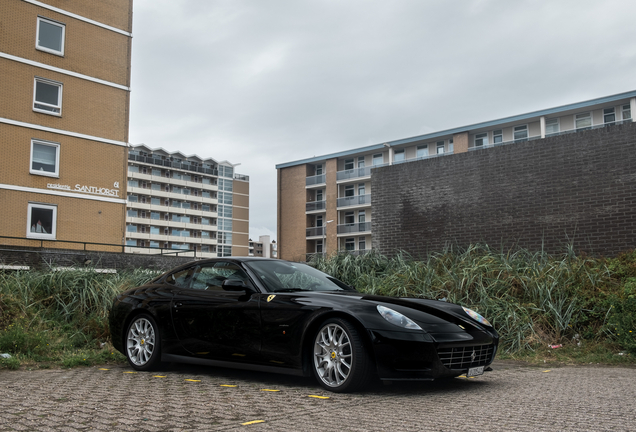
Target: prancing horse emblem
<point>472,356</point>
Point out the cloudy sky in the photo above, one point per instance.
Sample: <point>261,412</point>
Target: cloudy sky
<point>265,82</point>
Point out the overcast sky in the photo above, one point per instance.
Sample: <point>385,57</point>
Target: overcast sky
<point>265,82</point>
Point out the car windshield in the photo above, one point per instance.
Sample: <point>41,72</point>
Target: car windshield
<point>283,276</point>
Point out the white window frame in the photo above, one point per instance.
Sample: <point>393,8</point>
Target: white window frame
<point>55,173</point>
<point>360,161</point>
<point>554,120</point>
<point>36,235</point>
<point>520,128</point>
<point>624,109</point>
<point>609,111</point>
<point>350,241</point>
<point>57,107</point>
<point>497,133</point>
<point>37,36</point>
<point>402,155</point>
<point>424,149</point>
<point>377,157</point>
<point>351,163</point>
<point>481,139</point>
<point>440,147</point>
<point>451,146</point>
<point>587,115</point>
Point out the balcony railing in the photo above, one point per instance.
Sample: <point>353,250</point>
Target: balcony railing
<point>315,231</point>
<point>354,227</point>
<point>172,164</point>
<point>353,173</point>
<point>354,200</point>
<point>314,180</point>
<point>315,205</point>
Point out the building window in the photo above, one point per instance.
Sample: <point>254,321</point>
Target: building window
<point>50,36</point>
<point>481,139</point>
<point>422,151</point>
<point>349,218</point>
<point>520,132</point>
<point>378,159</point>
<point>360,161</point>
<point>362,216</point>
<point>398,156</point>
<point>350,244</point>
<point>131,228</point>
<point>132,213</point>
<point>609,115</point>
<point>319,196</point>
<point>440,147</point>
<point>627,112</point>
<point>47,96</point>
<point>348,164</point>
<point>361,189</point>
<point>41,221</point>
<point>451,146</point>
<point>319,221</point>
<point>349,191</point>
<point>133,198</point>
<point>583,120</point>
<point>497,136</point>
<point>362,244</point>
<point>319,169</point>
<point>551,126</point>
<point>318,246</point>
<point>45,158</point>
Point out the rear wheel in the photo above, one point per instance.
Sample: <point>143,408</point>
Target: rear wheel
<point>143,348</point>
<point>340,361</point>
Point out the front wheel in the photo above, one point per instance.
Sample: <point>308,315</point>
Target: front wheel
<point>143,348</point>
<point>340,361</point>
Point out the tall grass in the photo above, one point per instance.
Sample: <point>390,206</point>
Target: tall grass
<point>530,297</point>
<point>45,315</point>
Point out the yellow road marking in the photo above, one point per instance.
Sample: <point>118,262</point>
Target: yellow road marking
<point>191,380</point>
<point>272,390</point>
<point>547,371</point>
<point>103,369</point>
<point>129,372</point>
<point>252,422</point>
<point>159,376</point>
<point>228,385</point>
<point>319,397</point>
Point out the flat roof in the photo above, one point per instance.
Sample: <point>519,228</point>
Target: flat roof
<point>487,124</point>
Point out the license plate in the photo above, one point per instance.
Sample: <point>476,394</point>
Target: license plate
<point>475,371</point>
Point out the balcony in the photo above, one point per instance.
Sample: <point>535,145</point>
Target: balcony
<point>315,180</point>
<point>356,200</point>
<point>315,232</point>
<point>172,164</point>
<point>353,173</point>
<point>354,228</point>
<point>315,206</point>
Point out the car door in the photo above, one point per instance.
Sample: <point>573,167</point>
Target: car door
<point>218,322</point>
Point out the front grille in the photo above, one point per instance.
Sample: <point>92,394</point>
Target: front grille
<point>463,357</point>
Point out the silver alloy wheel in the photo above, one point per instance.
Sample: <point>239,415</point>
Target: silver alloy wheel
<point>333,355</point>
<point>140,341</point>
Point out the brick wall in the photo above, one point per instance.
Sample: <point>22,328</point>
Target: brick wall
<point>578,188</point>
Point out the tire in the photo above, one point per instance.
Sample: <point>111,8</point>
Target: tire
<point>339,359</point>
<point>143,343</point>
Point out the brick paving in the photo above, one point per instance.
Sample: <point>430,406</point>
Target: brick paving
<point>512,398</point>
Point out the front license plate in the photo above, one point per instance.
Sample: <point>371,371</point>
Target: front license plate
<point>475,371</point>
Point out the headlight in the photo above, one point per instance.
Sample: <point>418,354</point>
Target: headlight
<point>474,315</point>
<point>397,318</point>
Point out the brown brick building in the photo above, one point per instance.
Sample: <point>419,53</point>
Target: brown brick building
<point>65,86</point>
<point>330,203</point>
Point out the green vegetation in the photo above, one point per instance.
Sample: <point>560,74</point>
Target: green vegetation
<point>587,305</point>
<point>534,300</point>
<point>59,318</point>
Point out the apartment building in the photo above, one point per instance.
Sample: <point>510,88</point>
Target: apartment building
<point>185,204</point>
<point>64,109</point>
<point>325,203</point>
<point>263,247</point>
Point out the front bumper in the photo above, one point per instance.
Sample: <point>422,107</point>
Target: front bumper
<point>402,355</point>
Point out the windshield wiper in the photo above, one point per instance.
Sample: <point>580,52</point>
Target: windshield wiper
<point>290,290</point>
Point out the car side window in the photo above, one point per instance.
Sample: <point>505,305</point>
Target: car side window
<point>181,278</point>
<point>210,277</point>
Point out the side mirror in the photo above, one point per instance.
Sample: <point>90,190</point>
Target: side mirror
<point>234,285</point>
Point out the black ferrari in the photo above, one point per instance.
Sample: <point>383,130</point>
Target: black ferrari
<point>280,316</point>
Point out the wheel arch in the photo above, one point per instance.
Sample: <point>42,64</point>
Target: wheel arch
<point>312,328</point>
